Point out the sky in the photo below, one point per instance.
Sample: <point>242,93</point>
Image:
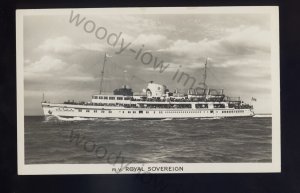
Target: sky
<point>63,59</point>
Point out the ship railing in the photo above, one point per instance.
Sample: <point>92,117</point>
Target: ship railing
<point>243,106</point>
<point>232,99</point>
<point>211,99</point>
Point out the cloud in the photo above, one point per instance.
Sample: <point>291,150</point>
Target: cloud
<point>186,48</point>
<point>93,47</point>
<point>65,45</point>
<point>249,37</point>
<point>49,68</point>
<point>46,64</point>
<point>152,40</point>
<point>58,45</point>
<point>238,44</point>
<point>241,62</point>
<point>79,78</point>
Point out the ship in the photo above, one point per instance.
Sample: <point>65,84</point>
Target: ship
<point>155,102</point>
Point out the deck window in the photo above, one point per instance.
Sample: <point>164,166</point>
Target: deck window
<point>87,110</point>
<point>140,112</point>
<point>95,111</point>
<point>109,111</point>
<point>201,106</point>
<point>111,98</point>
<point>119,98</point>
<point>133,112</point>
<point>79,110</point>
<point>219,105</point>
<point>105,98</point>
<point>129,111</point>
<point>100,97</point>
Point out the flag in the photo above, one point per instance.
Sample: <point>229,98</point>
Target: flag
<point>253,99</point>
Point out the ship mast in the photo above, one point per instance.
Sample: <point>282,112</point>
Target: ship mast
<point>204,81</point>
<point>102,73</point>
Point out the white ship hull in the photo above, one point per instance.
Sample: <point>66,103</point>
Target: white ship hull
<point>93,111</point>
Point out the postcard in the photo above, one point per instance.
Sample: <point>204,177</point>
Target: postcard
<point>148,90</point>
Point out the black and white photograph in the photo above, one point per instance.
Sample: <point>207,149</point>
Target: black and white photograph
<point>148,90</point>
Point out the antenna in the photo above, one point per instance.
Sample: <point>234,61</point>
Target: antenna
<point>43,99</point>
<point>102,73</point>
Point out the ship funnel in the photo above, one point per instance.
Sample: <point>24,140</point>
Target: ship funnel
<point>156,90</point>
